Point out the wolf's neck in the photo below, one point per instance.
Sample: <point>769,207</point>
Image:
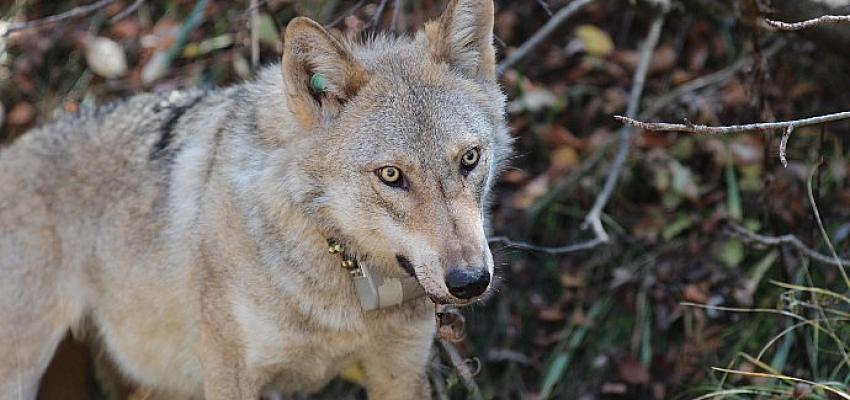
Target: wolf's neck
<point>265,182</point>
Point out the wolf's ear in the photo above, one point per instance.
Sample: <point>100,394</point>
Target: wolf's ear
<point>463,38</point>
<point>319,73</point>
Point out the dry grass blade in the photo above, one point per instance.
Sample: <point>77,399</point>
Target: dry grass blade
<point>828,388</point>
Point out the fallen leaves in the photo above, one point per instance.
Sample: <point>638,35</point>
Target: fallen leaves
<point>105,57</point>
<point>595,41</point>
<point>632,371</point>
<point>21,114</point>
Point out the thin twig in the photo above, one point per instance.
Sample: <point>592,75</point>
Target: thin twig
<point>704,81</point>
<point>586,245</point>
<point>255,34</point>
<point>158,65</point>
<point>342,16</point>
<point>787,127</point>
<point>594,216</point>
<point>722,130</point>
<point>788,239</point>
<point>127,11</point>
<point>562,185</point>
<point>378,13</point>
<point>74,12</point>
<point>545,7</point>
<point>396,12</point>
<point>254,7</point>
<point>559,18</point>
<point>796,26</point>
<point>462,370</point>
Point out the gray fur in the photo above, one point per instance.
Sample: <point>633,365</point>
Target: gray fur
<point>190,227</point>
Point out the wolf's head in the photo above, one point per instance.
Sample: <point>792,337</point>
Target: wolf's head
<point>404,137</point>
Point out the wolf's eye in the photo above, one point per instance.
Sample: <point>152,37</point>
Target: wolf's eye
<point>390,176</point>
<point>469,160</point>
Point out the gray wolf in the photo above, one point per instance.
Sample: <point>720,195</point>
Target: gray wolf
<point>189,231</point>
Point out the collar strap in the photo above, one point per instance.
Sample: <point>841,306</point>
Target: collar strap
<point>374,289</point>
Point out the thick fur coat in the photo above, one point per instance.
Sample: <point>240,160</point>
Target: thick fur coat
<point>190,229</point>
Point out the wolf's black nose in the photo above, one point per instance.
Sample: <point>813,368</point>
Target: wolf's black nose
<point>466,283</point>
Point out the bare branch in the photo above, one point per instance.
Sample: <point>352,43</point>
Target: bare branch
<point>559,18</point>
<point>255,33</point>
<point>796,26</point>
<point>594,216</point>
<point>253,7</point>
<point>376,19</point>
<point>396,13</point>
<point>723,130</point>
<point>787,126</point>
<point>783,145</point>
<point>572,248</point>
<point>545,7</point>
<point>127,11</point>
<point>350,11</point>
<point>74,12</point>
<point>789,239</point>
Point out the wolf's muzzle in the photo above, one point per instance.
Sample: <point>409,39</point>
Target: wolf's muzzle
<point>466,283</point>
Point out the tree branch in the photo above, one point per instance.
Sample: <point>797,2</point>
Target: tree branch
<point>701,82</point>
<point>396,13</point>
<point>127,11</point>
<point>376,19</point>
<point>572,248</point>
<point>722,130</point>
<point>796,26</point>
<point>342,16</point>
<point>255,33</point>
<point>751,237</point>
<point>74,12</point>
<point>787,126</point>
<point>594,217</point>
<point>559,18</point>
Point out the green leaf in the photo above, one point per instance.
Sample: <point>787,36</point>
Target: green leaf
<point>267,30</point>
<point>731,253</point>
<point>596,42</point>
<point>680,225</point>
<point>733,194</point>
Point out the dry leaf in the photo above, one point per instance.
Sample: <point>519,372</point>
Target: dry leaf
<point>633,372</point>
<point>21,114</point>
<point>596,41</point>
<point>105,57</point>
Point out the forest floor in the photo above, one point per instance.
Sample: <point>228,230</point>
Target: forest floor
<point>676,292</point>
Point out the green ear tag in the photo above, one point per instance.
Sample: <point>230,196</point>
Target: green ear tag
<point>318,82</point>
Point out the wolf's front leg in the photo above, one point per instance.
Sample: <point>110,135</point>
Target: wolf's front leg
<point>393,380</point>
<point>396,368</point>
<point>225,375</point>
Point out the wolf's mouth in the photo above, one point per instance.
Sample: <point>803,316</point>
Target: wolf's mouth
<point>406,265</point>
